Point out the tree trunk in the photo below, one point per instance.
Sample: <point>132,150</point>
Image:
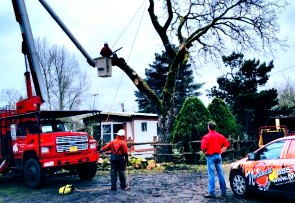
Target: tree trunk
<point>165,126</point>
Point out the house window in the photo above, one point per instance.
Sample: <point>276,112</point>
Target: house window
<point>144,127</point>
<point>107,133</point>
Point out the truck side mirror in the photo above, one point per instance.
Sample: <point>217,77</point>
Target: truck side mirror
<point>13,131</point>
<point>251,156</point>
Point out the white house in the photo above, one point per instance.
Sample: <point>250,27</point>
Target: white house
<point>139,127</point>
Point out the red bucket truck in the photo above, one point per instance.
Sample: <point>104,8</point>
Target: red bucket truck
<point>36,143</point>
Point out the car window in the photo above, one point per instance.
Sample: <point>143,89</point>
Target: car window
<point>272,151</point>
<point>291,150</point>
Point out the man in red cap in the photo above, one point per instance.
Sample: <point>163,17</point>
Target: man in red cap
<point>106,51</point>
<point>119,158</point>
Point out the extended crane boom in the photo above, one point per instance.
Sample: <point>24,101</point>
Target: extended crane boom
<point>90,61</point>
<point>33,103</point>
<point>29,49</point>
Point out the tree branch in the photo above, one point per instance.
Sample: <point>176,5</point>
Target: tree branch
<point>162,30</point>
<point>139,82</point>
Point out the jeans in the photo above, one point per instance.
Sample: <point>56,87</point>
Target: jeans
<point>215,162</point>
<point>118,166</point>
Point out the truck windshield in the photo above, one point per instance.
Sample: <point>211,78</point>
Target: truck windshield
<point>47,127</point>
<point>54,127</point>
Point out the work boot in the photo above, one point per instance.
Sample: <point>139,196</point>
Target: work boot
<point>124,188</point>
<point>113,188</point>
<point>208,195</point>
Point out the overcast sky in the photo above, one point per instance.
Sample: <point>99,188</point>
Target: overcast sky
<point>93,22</point>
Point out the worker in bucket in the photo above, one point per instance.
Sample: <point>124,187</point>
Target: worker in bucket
<point>106,51</point>
<point>119,159</point>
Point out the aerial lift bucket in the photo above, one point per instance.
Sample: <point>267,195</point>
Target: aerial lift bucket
<point>104,66</point>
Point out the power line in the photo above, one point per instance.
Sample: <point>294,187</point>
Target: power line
<point>129,55</point>
<point>129,22</point>
<point>282,70</point>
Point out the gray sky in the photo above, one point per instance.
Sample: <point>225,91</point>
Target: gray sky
<point>93,22</point>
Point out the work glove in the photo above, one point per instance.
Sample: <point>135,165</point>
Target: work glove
<point>128,163</point>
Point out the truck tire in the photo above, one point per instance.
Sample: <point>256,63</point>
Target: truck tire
<point>87,171</point>
<point>34,174</point>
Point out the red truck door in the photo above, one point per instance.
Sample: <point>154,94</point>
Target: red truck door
<point>20,141</point>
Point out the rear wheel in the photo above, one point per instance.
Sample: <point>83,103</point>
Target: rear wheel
<point>34,174</point>
<point>87,171</point>
<point>238,184</point>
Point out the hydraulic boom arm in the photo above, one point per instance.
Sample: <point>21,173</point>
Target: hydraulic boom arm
<point>67,31</point>
<point>29,49</point>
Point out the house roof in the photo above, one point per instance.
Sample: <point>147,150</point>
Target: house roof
<point>129,114</point>
<point>121,116</point>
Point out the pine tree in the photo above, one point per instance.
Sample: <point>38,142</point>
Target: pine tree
<point>221,114</point>
<point>191,122</point>
<point>239,89</point>
<point>156,77</point>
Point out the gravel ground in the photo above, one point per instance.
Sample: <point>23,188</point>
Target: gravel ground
<point>145,186</point>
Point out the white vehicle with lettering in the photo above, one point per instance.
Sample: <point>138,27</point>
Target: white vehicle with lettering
<point>270,169</point>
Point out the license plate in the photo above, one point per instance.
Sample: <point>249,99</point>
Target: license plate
<point>73,148</point>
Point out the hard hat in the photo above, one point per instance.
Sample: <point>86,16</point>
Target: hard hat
<point>121,132</point>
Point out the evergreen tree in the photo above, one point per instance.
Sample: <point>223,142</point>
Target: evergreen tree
<point>156,77</point>
<point>191,122</point>
<point>221,114</point>
<point>239,89</point>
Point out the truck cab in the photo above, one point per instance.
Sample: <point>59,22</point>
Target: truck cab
<point>39,144</point>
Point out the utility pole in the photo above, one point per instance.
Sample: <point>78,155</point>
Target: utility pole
<point>94,101</point>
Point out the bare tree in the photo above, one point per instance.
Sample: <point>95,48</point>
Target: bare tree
<point>46,64</point>
<point>9,97</point>
<point>64,81</point>
<point>205,29</point>
<point>286,93</point>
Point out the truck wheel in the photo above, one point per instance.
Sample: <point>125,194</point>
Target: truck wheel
<point>87,171</point>
<point>33,173</point>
